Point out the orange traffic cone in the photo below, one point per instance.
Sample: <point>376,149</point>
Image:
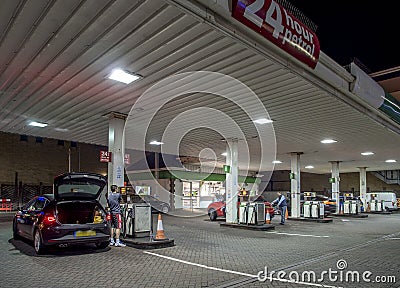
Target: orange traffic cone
<point>268,218</point>
<point>286,214</point>
<point>160,230</point>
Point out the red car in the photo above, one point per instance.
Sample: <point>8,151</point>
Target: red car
<point>217,209</point>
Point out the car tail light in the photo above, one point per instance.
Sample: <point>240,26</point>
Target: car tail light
<point>49,219</point>
<point>327,202</point>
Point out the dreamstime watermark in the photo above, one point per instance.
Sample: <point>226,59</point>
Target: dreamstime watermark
<point>340,274</point>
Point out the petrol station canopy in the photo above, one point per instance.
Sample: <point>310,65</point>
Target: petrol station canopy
<point>57,56</point>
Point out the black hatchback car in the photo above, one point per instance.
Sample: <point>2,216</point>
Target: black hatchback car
<point>72,215</point>
<point>156,204</point>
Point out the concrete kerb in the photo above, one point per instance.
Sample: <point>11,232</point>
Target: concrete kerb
<point>148,243</point>
<point>263,227</point>
<point>361,215</point>
<point>318,220</point>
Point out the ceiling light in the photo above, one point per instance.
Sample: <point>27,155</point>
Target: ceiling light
<point>123,76</point>
<point>390,161</point>
<point>328,141</point>
<point>154,142</point>
<point>263,121</point>
<point>277,162</point>
<point>37,124</point>
<point>224,154</point>
<point>61,129</point>
<point>309,167</point>
<point>367,153</point>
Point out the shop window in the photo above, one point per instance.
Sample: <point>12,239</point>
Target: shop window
<point>39,140</point>
<point>23,138</point>
<point>74,144</point>
<point>60,142</point>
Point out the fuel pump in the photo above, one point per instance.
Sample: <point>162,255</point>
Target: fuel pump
<point>375,204</point>
<point>307,206</point>
<point>350,204</point>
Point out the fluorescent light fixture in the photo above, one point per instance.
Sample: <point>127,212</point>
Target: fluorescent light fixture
<point>277,162</point>
<point>154,142</point>
<point>61,129</point>
<point>224,154</point>
<point>37,124</point>
<point>263,121</point>
<point>390,161</point>
<point>309,167</point>
<point>367,153</point>
<point>123,76</point>
<point>328,141</point>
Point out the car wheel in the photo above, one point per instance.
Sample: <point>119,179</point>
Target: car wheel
<point>38,243</point>
<point>102,245</point>
<point>165,209</point>
<point>212,214</point>
<point>15,232</point>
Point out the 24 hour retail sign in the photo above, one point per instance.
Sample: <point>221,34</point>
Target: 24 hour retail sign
<point>271,20</point>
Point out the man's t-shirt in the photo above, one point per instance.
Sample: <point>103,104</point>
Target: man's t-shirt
<point>113,201</point>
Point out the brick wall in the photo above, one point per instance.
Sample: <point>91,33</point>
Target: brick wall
<point>40,162</point>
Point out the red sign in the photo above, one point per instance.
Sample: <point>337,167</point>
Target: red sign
<point>271,20</point>
<point>105,156</point>
<point>127,159</point>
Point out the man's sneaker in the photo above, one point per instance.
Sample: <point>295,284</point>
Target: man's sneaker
<point>119,244</point>
<point>112,243</point>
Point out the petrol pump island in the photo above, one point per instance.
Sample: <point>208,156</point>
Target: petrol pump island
<point>240,211</point>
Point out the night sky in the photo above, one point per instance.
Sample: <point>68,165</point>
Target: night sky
<point>366,30</point>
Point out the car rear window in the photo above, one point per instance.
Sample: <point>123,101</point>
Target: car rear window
<point>78,189</point>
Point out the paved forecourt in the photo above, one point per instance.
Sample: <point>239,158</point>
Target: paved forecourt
<point>209,255</point>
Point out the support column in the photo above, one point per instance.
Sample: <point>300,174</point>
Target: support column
<point>156,172</point>
<point>335,184</point>
<point>178,194</point>
<point>116,145</point>
<point>232,187</point>
<point>295,184</point>
<point>363,186</point>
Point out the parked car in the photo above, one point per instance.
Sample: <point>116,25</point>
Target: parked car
<point>156,204</point>
<point>72,215</point>
<point>217,209</point>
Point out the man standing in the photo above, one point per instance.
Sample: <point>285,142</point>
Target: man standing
<point>282,205</point>
<point>114,200</point>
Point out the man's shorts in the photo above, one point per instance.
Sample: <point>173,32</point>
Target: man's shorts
<point>116,221</point>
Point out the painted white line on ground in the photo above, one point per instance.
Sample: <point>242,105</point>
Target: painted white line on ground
<point>239,273</point>
<point>393,238</point>
<point>302,235</point>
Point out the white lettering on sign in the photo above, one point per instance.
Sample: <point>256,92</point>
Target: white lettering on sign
<point>252,9</point>
<point>105,156</point>
<point>273,21</point>
<point>298,39</point>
